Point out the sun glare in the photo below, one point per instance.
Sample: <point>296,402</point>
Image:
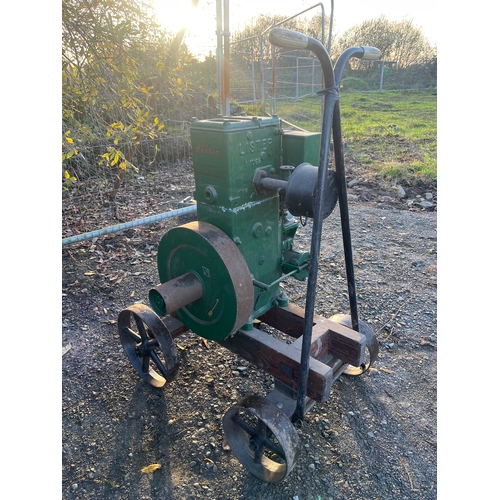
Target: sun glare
<point>200,23</point>
<point>174,15</point>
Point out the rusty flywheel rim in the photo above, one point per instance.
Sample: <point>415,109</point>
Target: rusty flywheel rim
<point>204,250</point>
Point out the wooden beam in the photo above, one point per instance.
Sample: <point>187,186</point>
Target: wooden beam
<point>280,360</point>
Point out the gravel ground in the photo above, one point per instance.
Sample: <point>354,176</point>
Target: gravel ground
<point>375,437</point>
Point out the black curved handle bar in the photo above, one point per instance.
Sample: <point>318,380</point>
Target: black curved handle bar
<point>282,37</point>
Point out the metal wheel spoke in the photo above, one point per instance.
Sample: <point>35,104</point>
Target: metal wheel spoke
<point>140,327</point>
<point>259,452</point>
<point>145,364</point>
<point>246,427</point>
<point>262,438</point>
<point>263,431</point>
<point>274,448</point>
<point>151,344</point>
<point>133,335</point>
<point>159,364</point>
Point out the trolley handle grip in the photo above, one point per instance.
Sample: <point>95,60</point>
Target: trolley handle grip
<point>370,53</point>
<point>283,37</point>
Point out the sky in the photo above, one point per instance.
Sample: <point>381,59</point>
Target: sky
<point>201,23</point>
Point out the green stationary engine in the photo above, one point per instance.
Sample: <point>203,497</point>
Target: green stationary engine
<point>241,246</point>
<point>220,275</point>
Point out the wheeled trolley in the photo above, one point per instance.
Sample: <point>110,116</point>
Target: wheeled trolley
<point>220,275</point>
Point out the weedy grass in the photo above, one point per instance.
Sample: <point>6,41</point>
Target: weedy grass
<point>393,134</point>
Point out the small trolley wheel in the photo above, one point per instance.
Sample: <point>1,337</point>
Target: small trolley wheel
<point>371,352</point>
<point>262,438</point>
<point>142,334</point>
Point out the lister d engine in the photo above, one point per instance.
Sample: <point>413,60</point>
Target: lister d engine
<point>220,276</point>
<point>233,258</point>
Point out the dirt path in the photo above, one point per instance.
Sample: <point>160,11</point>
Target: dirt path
<point>374,438</point>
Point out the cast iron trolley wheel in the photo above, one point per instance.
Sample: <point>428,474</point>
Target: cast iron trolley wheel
<point>262,438</point>
<point>142,333</point>
<point>371,351</point>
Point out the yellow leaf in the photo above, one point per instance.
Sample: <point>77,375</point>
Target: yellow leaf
<point>123,165</point>
<point>66,174</point>
<point>156,121</point>
<point>116,141</point>
<point>144,89</point>
<point>69,139</point>
<point>149,469</point>
<point>161,126</point>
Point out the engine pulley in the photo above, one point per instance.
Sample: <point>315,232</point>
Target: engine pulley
<point>301,192</point>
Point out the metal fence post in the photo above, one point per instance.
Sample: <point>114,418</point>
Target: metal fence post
<point>381,76</point>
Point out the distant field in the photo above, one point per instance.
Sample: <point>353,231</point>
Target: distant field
<point>393,133</point>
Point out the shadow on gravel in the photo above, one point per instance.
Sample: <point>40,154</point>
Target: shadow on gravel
<point>139,442</point>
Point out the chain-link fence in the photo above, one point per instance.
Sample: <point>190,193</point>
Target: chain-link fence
<point>92,197</point>
<point>292,77</point>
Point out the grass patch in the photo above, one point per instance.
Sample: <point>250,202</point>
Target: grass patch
<point>391,170</point>
<point>393,134</point>
<point>425,169</point>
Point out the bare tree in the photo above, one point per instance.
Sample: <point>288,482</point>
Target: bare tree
<point>399,41</point>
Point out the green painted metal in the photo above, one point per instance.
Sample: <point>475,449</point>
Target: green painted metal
<point>300,147</point>
<point>227,153</point>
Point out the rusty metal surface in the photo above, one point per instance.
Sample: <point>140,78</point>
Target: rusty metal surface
<point>262,438</point>
<point>143,334</point>
<point>236,267</point>
<point>167,297</point>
